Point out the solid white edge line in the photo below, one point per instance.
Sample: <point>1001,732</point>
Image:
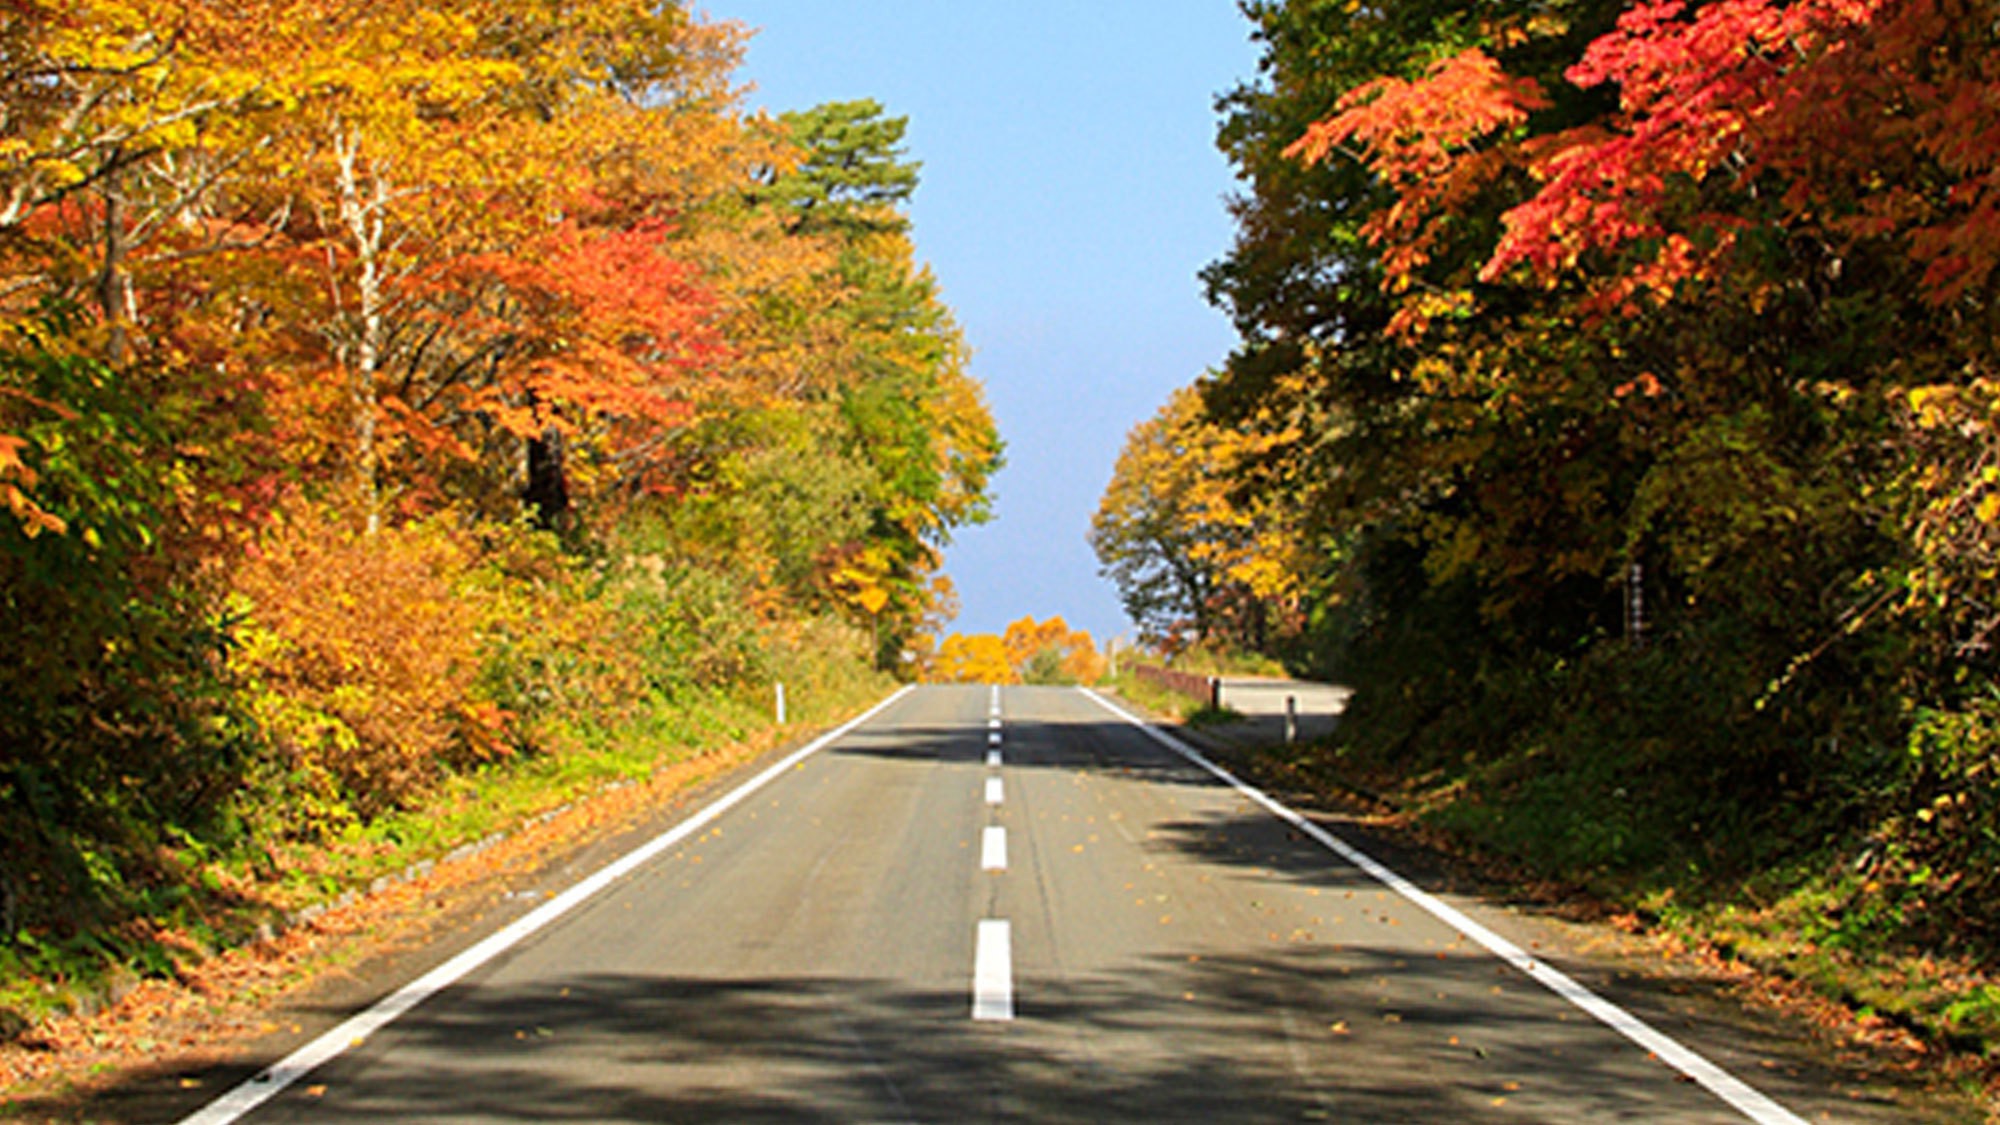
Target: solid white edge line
<point>268,1083</point>
<point>993,971</point>
<point>1740,1095</point>
<point>993,849</point>
<point>995,794</point>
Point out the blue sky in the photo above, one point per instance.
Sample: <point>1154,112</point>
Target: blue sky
<point>1071,190</point>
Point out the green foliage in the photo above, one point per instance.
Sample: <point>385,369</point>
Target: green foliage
<point>846,493</point>
<point>782,497</point>
<point>1207,716</point>
<point>1046,667</point>
<point>853,177</point>
<point>1946,816</point>
<point>1214,660</point>
<point>697,631</point>
<point>117,728</point>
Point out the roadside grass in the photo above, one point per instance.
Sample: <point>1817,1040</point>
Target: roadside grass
<point>1206,716</point>
<point>1151,696</point>
<point>1751,889</point>
<point>1219,662</point>
<point>202,899</point>
<point>1775,883</point>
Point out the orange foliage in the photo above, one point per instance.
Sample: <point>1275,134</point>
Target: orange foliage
<point>1083,663</point>
<point>361,656</point>
<point>1422,137</point>
<point>1051,650</point>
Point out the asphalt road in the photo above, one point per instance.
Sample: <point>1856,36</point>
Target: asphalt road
<point>1266,704</point>
<point>847,945</point>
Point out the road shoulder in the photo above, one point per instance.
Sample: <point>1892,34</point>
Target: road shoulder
<point>1797,1042</point>
<point>168,1047</point>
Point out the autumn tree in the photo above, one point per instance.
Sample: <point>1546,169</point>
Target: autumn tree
<point>1029,652</point>
<point>896,412</point>
<point>978,658</point>
<point>1192,561</point>
<point>1050,652</point>
<point>1630,355</point>
<point>317,320</point>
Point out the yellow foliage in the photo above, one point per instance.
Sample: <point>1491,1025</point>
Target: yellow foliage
<point>1025,638</point>
<point>1175,532</point>
<point>1051,652</point>
<point>977,659</point>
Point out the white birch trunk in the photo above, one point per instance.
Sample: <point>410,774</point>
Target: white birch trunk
<point>361,211</point>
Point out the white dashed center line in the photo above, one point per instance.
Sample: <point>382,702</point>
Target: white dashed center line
<point>993,952</point>
<point>993,972</point>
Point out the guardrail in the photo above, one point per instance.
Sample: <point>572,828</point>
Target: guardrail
<point>1207,689</point>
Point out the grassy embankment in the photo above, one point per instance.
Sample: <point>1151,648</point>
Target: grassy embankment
<point>579,676</point>
<point>1200,662</point>
<point>1799,885</point>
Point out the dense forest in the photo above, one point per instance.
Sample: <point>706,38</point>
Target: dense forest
<point>1615,408</point>
<point>395,393</point>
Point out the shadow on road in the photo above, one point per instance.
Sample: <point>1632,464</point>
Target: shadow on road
<point>1762,1048</point>
<point>1351,1021</point>
<point>1383,1043</point>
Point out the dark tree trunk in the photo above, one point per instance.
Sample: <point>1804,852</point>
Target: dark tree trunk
<point>110,283</point>
<point>547,490</point>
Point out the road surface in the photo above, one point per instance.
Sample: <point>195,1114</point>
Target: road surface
<point>1016,905</point>
<point>1265,704</point>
